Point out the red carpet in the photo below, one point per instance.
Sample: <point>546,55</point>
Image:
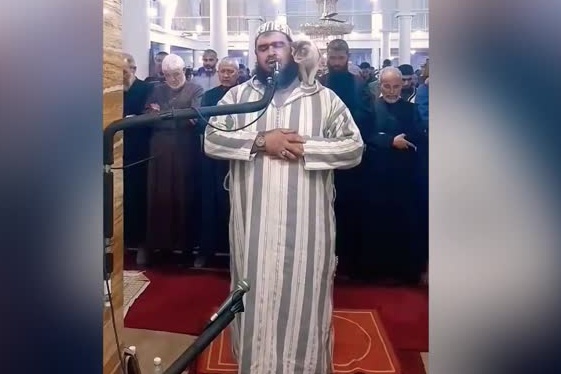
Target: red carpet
<point>361,346</point>
<point>183,300</point>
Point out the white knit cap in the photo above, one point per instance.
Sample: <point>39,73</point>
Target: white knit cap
<point>273,26</point>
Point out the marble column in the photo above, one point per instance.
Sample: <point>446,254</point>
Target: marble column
<point>168,12</point>
<point>405,18</point>
<point>113,110</point>
<point>219,27</point>
<point>405,21</point>
<point>375,57</point>
<point>280,6</point>
<point>197,59</point>
<point>385,48</point>
<point>254,20</point>
<point>376,19</point>
<point>136,33</point>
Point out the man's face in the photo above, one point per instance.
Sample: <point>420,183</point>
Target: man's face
<point>158,62</point>
<point>175,78</point>
<point>407,81</point>
<point>129,71</point>
<point>228,74</point>
<point>390,86</point>
<point>337,60</point>
<point>365,73</point>
<point>209,61</point>
<point>271,47</point>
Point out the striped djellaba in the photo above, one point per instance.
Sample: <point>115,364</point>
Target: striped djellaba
<point>282,227</point>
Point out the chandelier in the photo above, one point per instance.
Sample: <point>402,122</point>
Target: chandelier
<point>327,27</point>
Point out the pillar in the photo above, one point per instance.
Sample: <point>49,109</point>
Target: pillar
<point>385,48</point>
<point>113,31</point>
<point>136,34</point>
<point>197,59</point>
<point>168,13</point>
<point>375,57</point>
<point>254,20</point>
<point>219,27</point>
<point>405,19</point>
<point>280,7</point>
<point>377,26</point>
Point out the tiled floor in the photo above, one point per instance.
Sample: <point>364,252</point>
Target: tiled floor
<point>149,344</point>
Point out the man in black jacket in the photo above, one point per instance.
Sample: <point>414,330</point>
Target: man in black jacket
<point>393,249</point>
<point>215,203</point>
<point>135,148</point>
<point>352,90</point>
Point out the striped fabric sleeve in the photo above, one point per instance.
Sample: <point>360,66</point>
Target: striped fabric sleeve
<point>341,147</point>
<point>228,145</point>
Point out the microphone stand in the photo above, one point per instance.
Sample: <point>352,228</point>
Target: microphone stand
<point>186,360</point>
<point>152,120</point>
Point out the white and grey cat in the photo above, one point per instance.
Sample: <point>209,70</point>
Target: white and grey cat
<point>307,55</point>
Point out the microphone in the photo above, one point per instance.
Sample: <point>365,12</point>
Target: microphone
<point>219,321</point>
<point>241,289</point>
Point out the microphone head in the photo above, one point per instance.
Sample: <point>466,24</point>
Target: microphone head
<point>275,66</point>
<point>244,285</point>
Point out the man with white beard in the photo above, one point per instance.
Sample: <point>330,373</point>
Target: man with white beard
<point>392,249</point>
<point>172,218</point>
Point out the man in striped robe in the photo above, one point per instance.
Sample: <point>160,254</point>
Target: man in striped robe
<point>282,224</point>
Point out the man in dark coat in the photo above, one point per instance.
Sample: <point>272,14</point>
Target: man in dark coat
<point>352,91</point>
<point>174,146</point>
<point>409,90</point>
<point>392,248</point>
<point>215,200</point>
<point>135,153</point>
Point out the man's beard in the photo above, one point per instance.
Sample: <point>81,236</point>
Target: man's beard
<point>176,85</point>
<point>391,100</point>
<point>340,71</point>
<point>209,70</point>
<point>287,74</point>
<point>127,82</point>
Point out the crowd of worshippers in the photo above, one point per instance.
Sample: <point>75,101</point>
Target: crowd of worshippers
<point>177,199</point>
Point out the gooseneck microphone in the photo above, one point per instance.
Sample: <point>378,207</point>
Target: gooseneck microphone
<point>222,318</point>
<point>241,289</point>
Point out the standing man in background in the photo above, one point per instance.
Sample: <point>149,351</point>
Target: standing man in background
<point>215,201</point>
<point>158,74</point>
<point>135,149</point>
<point>206,76</point>
<point>352,90</point>
<point>172,219</point>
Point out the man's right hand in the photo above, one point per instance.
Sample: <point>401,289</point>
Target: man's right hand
<point>285,144</point>
<point>153,108</point>
<point>400,142</point>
